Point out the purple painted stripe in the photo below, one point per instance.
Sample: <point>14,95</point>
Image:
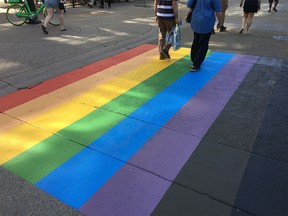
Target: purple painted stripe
<point>133,191</point>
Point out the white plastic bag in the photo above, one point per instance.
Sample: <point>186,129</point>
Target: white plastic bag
<point>174,38</point>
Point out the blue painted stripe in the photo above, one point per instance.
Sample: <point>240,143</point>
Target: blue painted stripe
<point>81,176</point>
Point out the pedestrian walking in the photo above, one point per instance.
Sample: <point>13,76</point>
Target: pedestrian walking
<point>202,23</point>
<point>249,9</point>
<point>102,3</point>
<point>224,5</point>
<point>275,5</point>
<point>51,5</point>
<point>166,13</point>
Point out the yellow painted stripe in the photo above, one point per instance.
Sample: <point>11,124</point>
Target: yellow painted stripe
<point>52,114</point>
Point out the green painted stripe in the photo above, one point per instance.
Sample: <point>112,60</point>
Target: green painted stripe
<point>35,163</point>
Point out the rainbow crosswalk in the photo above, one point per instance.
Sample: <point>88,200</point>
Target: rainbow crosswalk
<point>110,137</point>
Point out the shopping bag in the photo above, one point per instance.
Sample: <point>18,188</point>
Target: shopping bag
<point>174,38</point>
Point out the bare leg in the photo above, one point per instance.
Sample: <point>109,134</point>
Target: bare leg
<point>61,18</point>
<point>244,20</point>
<point>50,15</point>
<point>249,21</point>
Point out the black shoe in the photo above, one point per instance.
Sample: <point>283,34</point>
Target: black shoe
<point>218,26</point>
<point>90,5</point>
<point>213,31</point>
<point>194,69</point>
<point>33,21</point>
<point>223,28</point>
<point>275,9</point>
<point>166,54</point>
<point>44,29</point>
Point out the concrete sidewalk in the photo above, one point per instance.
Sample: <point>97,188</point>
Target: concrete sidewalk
<point>223,152</point>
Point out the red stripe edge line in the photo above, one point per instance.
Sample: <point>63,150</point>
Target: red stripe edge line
<point>24,95</point>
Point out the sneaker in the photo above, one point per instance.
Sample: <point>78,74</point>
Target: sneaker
<point>223,28</point>
<point>194,69</point>
<point>166,54</point>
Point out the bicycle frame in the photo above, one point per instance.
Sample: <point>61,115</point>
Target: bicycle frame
<point>30,14</point>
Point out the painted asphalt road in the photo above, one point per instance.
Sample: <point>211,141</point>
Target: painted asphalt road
<point>114,139</point>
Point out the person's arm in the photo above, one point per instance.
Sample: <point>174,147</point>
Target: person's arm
<point>155,8</point>
<point>175,10</point>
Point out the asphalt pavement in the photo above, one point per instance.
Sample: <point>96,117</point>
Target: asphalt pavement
<point>240,164</point>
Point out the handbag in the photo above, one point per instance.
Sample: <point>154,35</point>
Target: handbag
<point>189,15</point>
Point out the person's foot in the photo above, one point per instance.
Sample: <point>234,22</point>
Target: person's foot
<point>218,26</point>
<point>223,28</point>
<point>161,56</point>
<point>64,29</point>
<point>34,21</point>
<point>101,6</point>
<point>194,69</point>
<point>90,5</point>
<point>269,10</point>
<point>275,9</point>
<point>44,29</point>
<point>241,31</point>
<point>213,31</point>
<point>166,54</point>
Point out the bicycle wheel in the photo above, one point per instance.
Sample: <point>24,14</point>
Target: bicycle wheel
<point>15,13</point>
<point>54,21</point>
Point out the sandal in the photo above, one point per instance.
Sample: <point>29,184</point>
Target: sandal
<point>44,29</point>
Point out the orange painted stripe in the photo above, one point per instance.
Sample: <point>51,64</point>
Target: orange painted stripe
<point>22,96</point>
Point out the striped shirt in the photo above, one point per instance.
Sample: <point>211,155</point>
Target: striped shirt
<point>165,10</point>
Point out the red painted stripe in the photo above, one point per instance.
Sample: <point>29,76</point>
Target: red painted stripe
<point>24,95</point>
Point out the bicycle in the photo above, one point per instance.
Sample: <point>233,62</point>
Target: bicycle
<point>19,11</point>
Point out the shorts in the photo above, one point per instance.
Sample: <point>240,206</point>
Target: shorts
<point>251,6</point>
<point>52,3</point>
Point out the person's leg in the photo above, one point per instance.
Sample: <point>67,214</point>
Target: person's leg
<point>194,47</point>
<point>50,14</point>
<point>270,5</point>
<point>101,4</point>
<point>202,49</point>
<point>161,35</point>
<point>249,21</point>
<point>244,20</point>
<point>169,25</point>
<point>109,3</point>
<point>61,18</point>
<point>32,7</point>
<point>275,5</point>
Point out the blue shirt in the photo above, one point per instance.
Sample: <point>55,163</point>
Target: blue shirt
<point>203,17</point>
